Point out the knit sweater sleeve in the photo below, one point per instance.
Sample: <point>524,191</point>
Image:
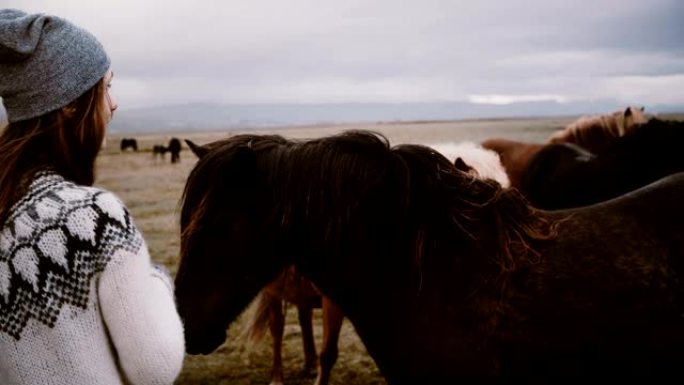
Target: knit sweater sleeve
<point>138,308</point>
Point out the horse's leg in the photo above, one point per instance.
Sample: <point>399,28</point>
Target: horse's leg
<point>332,324</point>
<point>276,322</point>
<point>305,313</point>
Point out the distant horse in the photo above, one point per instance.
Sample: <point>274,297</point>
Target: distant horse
<point>159,150</point>
<point>595,133</point>
<point>174,148</point>
<point>290,286</point>
<point>565,175</point>
<point>129,143</point>
<point>446,278</point>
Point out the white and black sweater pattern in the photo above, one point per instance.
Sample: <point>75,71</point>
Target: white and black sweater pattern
<point>80,301</point>
<point>57,239</point>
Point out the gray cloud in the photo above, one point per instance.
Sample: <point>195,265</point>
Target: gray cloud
<point>427,50</point>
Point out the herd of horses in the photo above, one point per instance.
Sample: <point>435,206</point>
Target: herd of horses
<point>158,150</point>
<point>542,263</point>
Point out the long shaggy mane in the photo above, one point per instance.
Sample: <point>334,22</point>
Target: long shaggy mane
<point>340,184</point>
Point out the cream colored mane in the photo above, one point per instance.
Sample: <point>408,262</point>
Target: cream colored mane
<point>486,163</point>
<point>615,124</point>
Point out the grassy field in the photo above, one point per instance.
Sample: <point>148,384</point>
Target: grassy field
<point>151,188</point>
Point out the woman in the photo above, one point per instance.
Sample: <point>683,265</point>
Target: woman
<point>80,301</point>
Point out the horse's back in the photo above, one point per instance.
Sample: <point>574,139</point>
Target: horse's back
<point>665,185</point>
<point>655,210</point>
<point>648,153</point>
<point>606,296</point>
<point>629,249</point>
<point>553,176</point>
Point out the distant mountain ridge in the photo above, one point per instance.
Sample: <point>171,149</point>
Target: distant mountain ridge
<point>206,116</point>
<point>210,116</point>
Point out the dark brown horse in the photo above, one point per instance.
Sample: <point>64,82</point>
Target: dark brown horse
<point>446,278</point>
<point>174,148</point>
<point>129,143</point>
<point>292,287</point>
<point>159,150</point>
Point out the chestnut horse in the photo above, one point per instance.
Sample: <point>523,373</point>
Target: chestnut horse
<point>291,287</point>
<point>514,156</point>
<point>446,278</point>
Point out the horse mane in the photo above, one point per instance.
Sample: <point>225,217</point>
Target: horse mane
<point>486,162</point>
<point>327,183</point>
<point>477,208</point>
<point>202,190</point>
<point>595,132</point>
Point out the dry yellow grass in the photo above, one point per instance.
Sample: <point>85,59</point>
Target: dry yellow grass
<point>151,188</point>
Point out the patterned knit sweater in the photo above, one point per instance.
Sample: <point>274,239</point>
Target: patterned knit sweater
<point>80,302</point>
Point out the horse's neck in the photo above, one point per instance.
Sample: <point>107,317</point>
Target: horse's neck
<point>613,127</point>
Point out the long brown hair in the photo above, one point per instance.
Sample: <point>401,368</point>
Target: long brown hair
<point>65,141</point>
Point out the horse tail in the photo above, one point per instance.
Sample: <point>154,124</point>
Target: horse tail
<point>257,324</point>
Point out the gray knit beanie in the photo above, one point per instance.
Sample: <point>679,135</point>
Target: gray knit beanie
<point>46,62</point>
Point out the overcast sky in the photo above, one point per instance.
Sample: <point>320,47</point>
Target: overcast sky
<point>318,51</point>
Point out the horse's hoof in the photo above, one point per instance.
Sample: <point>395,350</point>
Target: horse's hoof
<point>309,372</point>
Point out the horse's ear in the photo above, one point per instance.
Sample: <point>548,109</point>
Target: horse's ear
<point>642,108</point>
<point>196,149</point>
<point>628,111</point>
<point>462,165</point>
